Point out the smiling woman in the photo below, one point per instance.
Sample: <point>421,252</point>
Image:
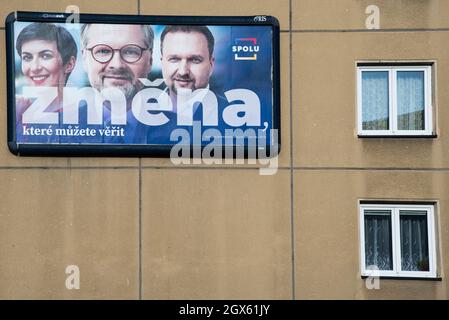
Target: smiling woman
<point>48,56</point>
<point>41,63</point>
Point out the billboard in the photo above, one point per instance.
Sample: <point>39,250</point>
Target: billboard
<point>141,85</point>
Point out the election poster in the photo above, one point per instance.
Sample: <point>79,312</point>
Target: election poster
<point>141,84</point>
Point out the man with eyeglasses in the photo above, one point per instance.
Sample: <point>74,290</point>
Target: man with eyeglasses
<point>116,56</point>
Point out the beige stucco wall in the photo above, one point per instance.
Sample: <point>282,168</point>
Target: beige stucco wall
<point>144,228</point>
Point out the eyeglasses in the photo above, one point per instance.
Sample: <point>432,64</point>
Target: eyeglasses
<point>130,53</point>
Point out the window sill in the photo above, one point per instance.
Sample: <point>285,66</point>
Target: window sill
<point>404,278</point>
<point>430,136</point>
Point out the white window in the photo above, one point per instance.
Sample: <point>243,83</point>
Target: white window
<point>398,240</point>
<point>394,101</point>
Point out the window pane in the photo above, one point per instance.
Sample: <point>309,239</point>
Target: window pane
<point>375,99</point>
<point>414,241</point>
<point>410,90</point>
<point>378,245</point>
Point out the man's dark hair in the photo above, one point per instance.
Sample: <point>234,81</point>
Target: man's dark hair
<point>49,32</point>
<point>187,29</point>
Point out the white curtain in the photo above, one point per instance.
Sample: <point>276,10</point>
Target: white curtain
<point>414,241</point>
<point>410,100</point>
<point>375,100</point>
<point>378,245</point>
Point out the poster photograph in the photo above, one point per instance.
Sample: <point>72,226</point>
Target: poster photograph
<point>116,86</point>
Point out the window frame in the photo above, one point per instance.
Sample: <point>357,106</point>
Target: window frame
<point>396,240</point>
<point>392,103</point>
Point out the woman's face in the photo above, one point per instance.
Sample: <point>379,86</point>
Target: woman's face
<point>42,63</point>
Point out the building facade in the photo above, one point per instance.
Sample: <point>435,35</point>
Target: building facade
<point>363,176</point>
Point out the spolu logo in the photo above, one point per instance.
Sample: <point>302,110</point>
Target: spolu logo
<point>245,49</point>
